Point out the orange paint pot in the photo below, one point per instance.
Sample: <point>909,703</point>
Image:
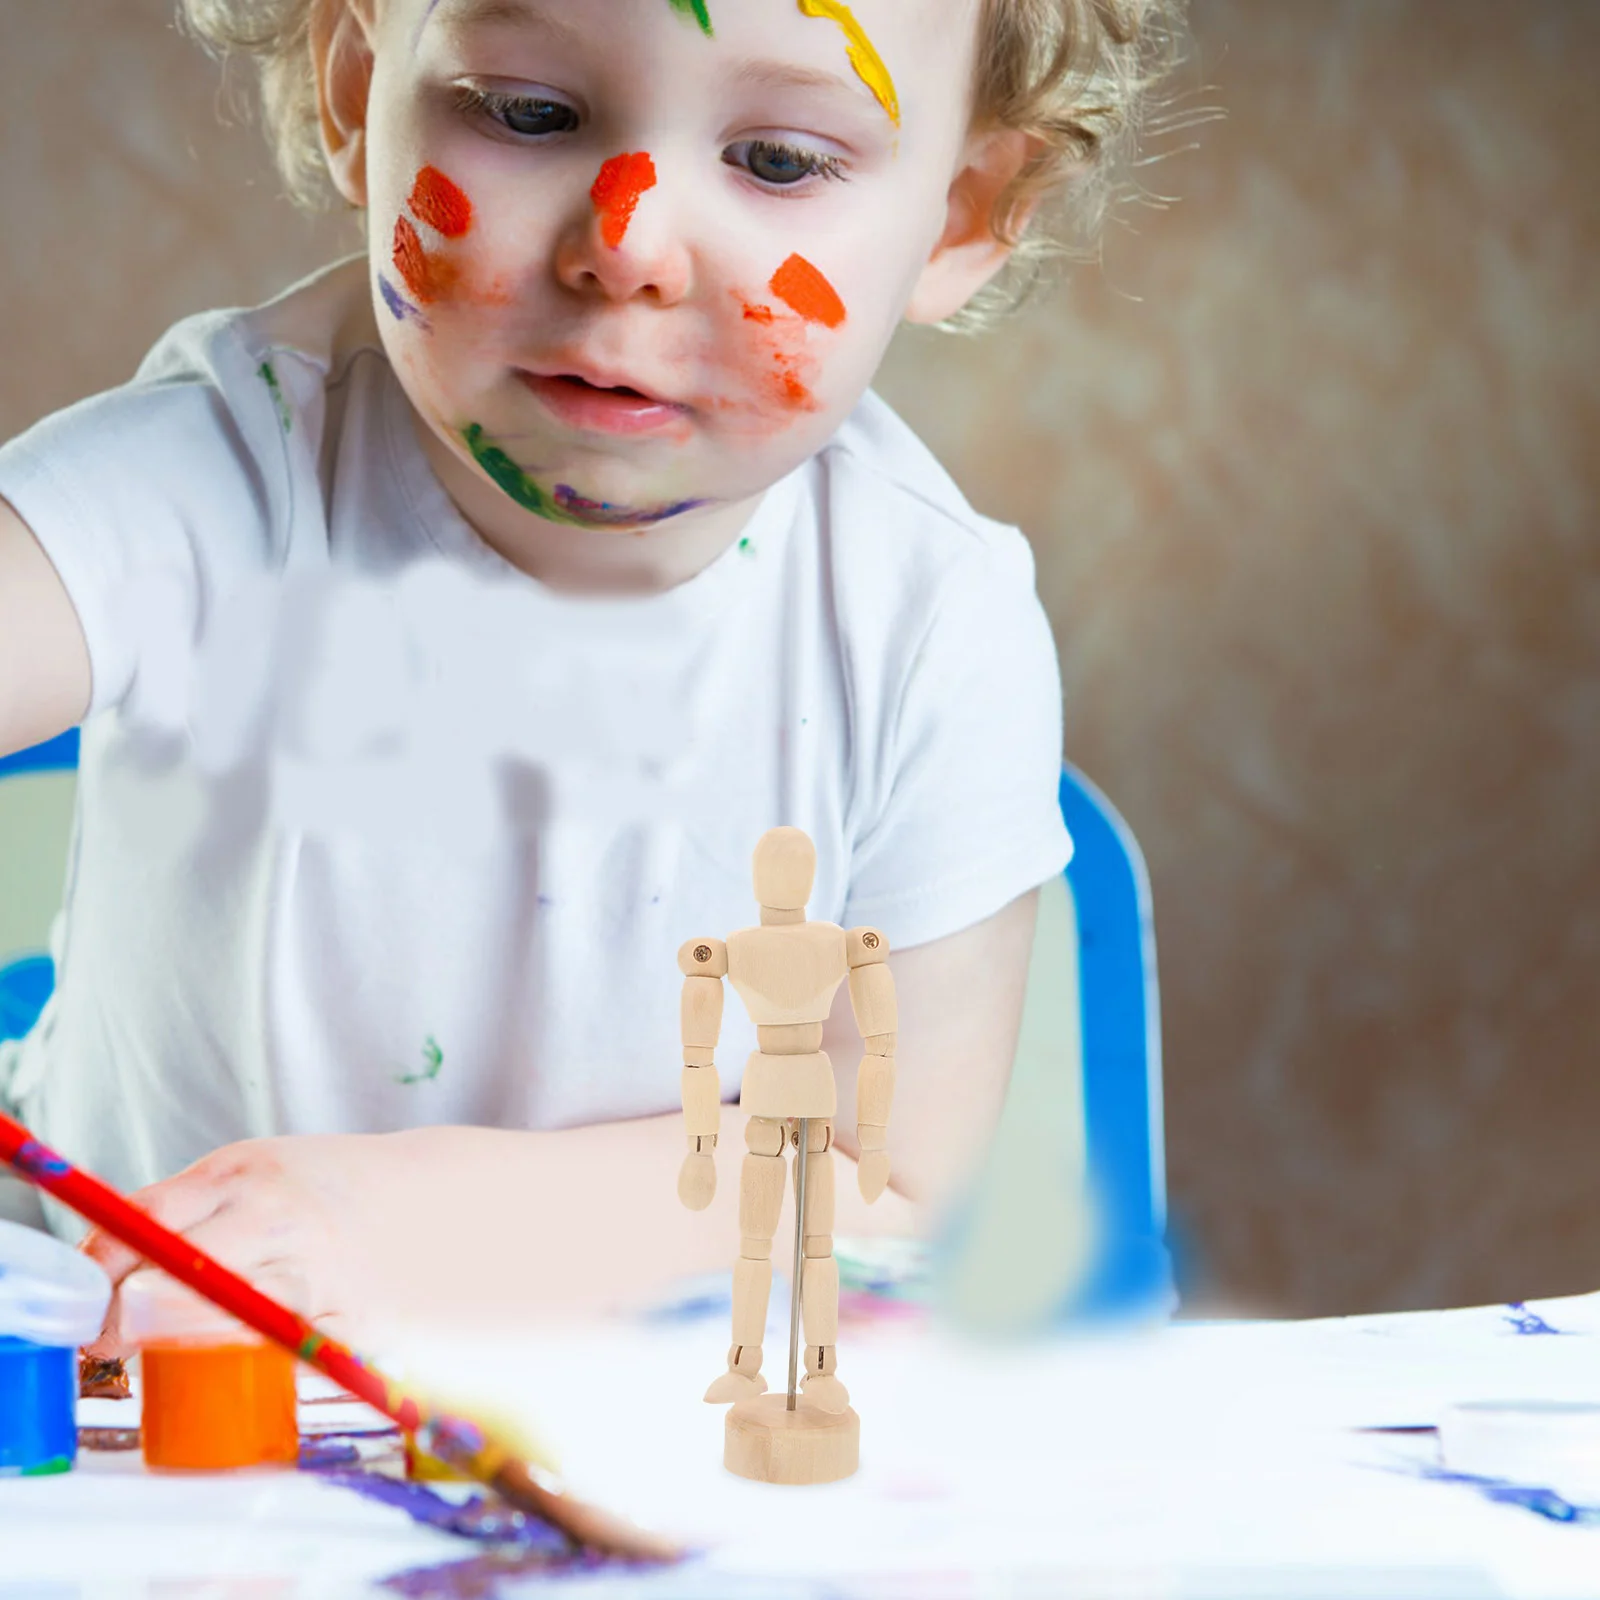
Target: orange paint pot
<point>216,1395</point>
<point>213,1406</point>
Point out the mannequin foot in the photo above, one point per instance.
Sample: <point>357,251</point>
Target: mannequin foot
<point>825,1392</point>
<point>734,1386</point>
<point>742,1380</point>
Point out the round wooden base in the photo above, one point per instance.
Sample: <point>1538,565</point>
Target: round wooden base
<point>768,1442</point>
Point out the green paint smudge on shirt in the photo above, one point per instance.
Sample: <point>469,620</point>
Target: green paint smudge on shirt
<point>695,9</point>
<point>434,1056</point>
<point>270,378</point>
<point>746,546</point>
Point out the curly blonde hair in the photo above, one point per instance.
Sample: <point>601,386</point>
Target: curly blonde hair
<point>1080,77</point>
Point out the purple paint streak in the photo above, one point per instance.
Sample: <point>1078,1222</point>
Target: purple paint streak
<point>601,513</point>
<point>1526,1321</point>
<point>401,308</point>
<point>427,16</point>
<point>481,1577</point>
<point>480,1518</point>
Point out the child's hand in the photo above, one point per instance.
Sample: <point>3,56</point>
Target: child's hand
<point>275,1207</point>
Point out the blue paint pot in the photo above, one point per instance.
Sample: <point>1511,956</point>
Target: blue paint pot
<point>52,1299</point>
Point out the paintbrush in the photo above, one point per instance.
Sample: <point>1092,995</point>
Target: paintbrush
<point>459,1443</point>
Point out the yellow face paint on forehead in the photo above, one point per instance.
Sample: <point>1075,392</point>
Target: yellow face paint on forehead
<point>863,56</point>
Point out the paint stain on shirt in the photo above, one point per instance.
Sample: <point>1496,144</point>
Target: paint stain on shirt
<point>803,289</point>
<point>269,377</point>
<point>695,9</point>
<point>616,191</point>
<point>863,54</point>
<point>441,203</point>
<point>432,1058</point>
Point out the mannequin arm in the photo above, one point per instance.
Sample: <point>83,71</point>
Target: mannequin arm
<point>703,962</point>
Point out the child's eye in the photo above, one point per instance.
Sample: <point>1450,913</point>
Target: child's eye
<point>529,116</point>
<point>782,165</point>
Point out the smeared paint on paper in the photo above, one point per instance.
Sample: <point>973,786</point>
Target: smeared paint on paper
<point>481,1517</point>
<point>616,191</point>
<point>269,377</point>
<point>803,289</point>
<point>1523,1320</point>
<point>695,9</point>
<point>441,203</point>
<point>863,54</point>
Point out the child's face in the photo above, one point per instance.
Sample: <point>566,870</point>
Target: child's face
<point>633,258</point>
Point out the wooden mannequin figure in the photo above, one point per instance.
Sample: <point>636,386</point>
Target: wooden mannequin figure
<point>787,971</point>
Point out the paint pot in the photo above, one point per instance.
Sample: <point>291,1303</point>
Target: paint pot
<point>52,1299</point>
<point>216,1394</point>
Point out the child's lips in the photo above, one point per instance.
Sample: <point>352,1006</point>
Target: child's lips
<point>581,403</point>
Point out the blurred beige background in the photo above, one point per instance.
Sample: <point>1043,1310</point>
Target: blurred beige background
<point>1312,466</point>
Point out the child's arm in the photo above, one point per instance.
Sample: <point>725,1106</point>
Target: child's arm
<point>503,1226</point>
<point>464,1226</point>
<point>959,1004</point>
<point>44,659</point>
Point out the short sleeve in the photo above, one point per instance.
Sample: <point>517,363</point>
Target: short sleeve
<point>142,498</point>
<point>971,817</point>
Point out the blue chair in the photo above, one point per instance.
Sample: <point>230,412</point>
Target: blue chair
<point>27,974</point>
<point>1121,1051</point>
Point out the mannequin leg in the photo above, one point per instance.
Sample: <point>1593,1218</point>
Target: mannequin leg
<point>819,1290</point>
<point>760,1197</point>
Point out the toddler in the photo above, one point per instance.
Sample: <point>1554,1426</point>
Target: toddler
<point>445,632</point>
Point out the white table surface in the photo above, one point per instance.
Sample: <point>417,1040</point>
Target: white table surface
<point>1204,1460</point>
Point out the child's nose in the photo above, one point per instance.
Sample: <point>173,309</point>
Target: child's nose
<point>624,240</point>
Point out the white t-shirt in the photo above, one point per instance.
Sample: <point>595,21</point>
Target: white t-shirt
<point>374,831</point>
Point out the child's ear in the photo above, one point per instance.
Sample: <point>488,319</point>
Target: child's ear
<point>342,54</point>
<point>969,252</point>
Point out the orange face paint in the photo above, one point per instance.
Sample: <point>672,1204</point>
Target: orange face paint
<point>428,276</point>
<point>441,203</point>
<point>803,289</point>
<point>616,193</point>
<point>214,1406</point>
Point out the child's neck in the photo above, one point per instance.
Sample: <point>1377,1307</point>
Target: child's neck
<point>583,560</point>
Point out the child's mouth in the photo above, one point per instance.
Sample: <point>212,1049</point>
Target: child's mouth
<point>592,408</point>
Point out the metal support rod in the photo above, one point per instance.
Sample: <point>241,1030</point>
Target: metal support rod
<point>799,1253</point>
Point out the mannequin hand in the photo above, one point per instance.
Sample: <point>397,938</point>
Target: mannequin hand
<point>872,1173</point>
<point>697,1180</point>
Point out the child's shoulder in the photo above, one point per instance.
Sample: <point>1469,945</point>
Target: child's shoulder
<point>308,334</point>
<point>890,489</point>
